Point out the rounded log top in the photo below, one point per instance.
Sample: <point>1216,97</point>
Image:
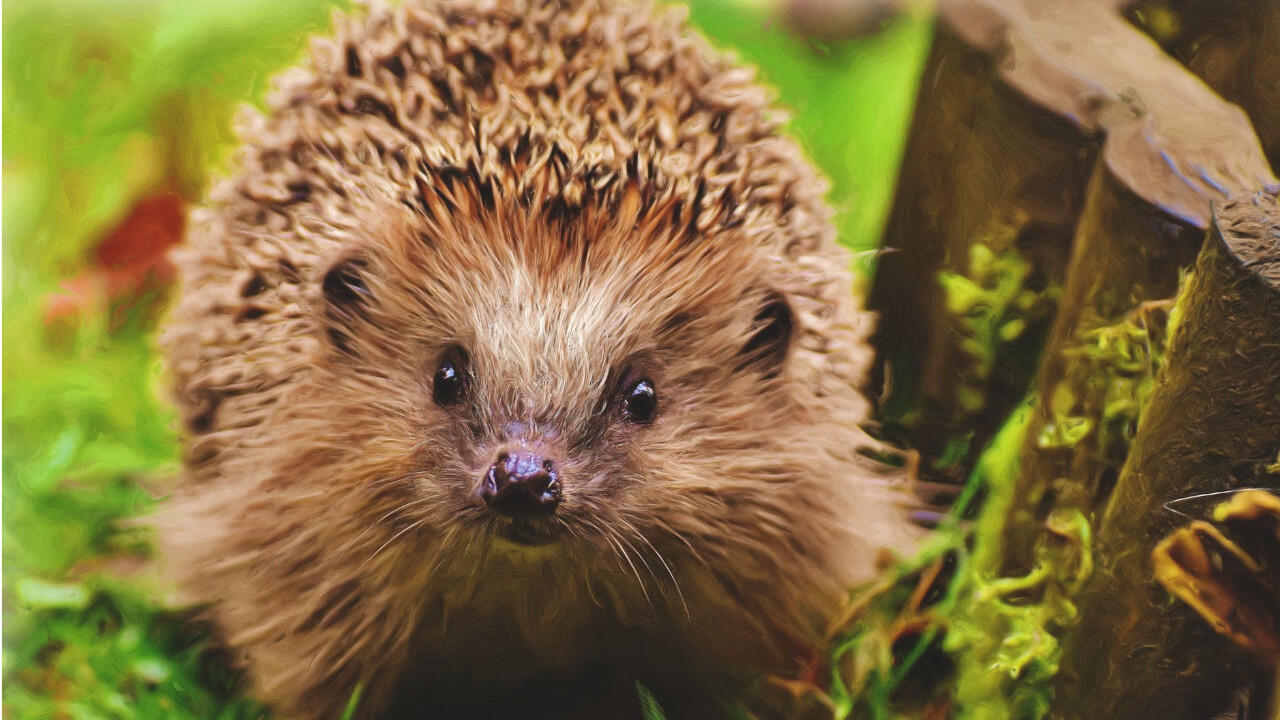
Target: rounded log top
<point>1250,230</point>
<point>1169,138</point>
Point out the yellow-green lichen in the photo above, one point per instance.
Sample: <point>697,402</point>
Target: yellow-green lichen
<point>990,307</point>
<point>980,624</point>
<point>1112,372</point>
<point>1004,630</point>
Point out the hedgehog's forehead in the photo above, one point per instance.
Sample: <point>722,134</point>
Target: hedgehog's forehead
<point>602,270</point>
<point>541,348</point>
<point>555,310</point>
<point>598,298</point>
<point>541,294</point>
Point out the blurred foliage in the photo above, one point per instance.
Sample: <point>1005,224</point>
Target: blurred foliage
<point>850,102</point>
<point>989,307</point>
<point>107,104</point>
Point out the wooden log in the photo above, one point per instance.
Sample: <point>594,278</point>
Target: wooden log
<point>1233,45</point>
<point>1213,424</point>
<point>1097,369</point>
<point>1019,101</point>
<point>1019,97</point>
<point>984,166</point>
<point>1169,146</point>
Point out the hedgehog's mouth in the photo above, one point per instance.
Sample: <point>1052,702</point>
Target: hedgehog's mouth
<point>529,534</point>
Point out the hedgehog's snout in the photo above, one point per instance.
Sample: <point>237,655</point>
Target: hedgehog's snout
<point>521,485</point>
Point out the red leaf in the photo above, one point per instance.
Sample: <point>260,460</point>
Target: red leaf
<point>129,261</point>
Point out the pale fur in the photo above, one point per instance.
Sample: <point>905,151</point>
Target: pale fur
<point>566,190</point>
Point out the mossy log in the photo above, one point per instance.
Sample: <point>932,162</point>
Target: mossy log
<point>1058,181</point>
<point>1097,367</point>
<point>1028,110</point>
<point>984,167</point>
<point>1168,147</point>
<point>1213,424</point>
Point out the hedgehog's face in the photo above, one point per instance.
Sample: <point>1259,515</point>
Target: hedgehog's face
<point>533,450</point>
<point>594,398</point>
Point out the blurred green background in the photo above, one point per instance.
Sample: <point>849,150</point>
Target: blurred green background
<point>116,115</point>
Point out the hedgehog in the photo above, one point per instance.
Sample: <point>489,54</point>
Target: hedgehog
<point>518,363</point>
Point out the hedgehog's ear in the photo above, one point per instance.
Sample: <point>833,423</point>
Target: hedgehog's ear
<point>347,298</point>
<point>771,335</point>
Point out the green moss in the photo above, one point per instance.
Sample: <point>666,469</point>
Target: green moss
<point>866,675</point>
<point>1001,631</point>
<point>1176,313</point>
<point>1005,652</point>
<point>1112,371</point>
<point>1004,630</point>
<point>990,306</point>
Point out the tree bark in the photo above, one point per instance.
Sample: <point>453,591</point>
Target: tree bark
<point>1026,108</point>
<point>1057,143</point>
<point>1213,424</point>
<point>983,165</point>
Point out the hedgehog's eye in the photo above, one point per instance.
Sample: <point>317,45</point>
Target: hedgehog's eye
<point>449,387</point>
<point>640,402</point>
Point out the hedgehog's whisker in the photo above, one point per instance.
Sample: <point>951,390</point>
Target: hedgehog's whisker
<point>623,538</point>
<point>576,531</point>
<point>610,536</point>
<point>679,593</point>
<point>693,550</point>
<point>397,509</point>
<point>438,557</point>
<point>392,539</point>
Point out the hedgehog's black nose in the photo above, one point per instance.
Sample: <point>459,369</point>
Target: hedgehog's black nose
<point>521,484</point>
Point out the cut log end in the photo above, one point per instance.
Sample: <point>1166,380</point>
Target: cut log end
<point>1250,230</point>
